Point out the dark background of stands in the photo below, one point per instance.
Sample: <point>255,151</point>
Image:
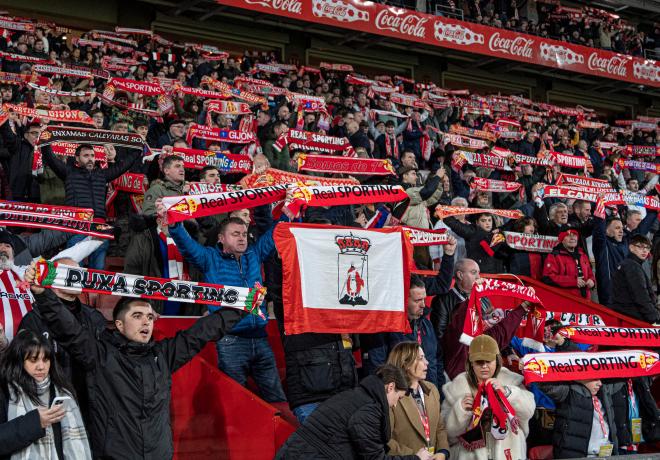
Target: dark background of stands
<point>308,44</point>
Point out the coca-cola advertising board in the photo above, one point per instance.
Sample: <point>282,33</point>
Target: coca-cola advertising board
<point>404,24</point>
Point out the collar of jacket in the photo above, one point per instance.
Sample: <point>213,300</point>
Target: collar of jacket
<point>130,347</point>
<point>635,258</point>
<point>173,186</point>
<point>560,248</point>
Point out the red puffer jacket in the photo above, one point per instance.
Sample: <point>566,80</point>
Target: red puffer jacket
<point>560,269</point>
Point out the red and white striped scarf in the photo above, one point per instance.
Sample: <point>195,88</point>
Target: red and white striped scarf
<point>16,302</point>
<point>177,267</point>
<point>391,147</point>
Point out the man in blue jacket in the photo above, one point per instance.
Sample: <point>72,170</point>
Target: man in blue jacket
<point>245,349</point>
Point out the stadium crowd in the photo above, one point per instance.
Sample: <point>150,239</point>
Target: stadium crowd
<point>482,167</point>
<point>588,26</point>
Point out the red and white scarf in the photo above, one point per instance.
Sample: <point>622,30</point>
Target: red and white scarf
<point>391,147</point>
<point>177,267</point>
<point>492,185</point>
<point>16,301</point>
<point>475,323</point>
<point>504,417</point>
<point>558,367</point>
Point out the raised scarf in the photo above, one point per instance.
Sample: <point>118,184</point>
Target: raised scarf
<point>556,367</point>
<point>274,176</point>
<point>55,275</point>
<point>345,165</point>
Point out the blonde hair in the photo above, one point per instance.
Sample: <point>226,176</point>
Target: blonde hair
<point>404,355</point>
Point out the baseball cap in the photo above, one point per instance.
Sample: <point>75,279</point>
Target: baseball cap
<point>483,348</point>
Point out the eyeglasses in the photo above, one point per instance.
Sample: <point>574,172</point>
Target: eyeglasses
<point>643,247</point>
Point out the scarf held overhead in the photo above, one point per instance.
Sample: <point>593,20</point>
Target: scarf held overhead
<point>344,165</point>
<point>90,136</point>
<point>54,275</point>
<point>475,324</point>
<point>55,222</point>
<point>647,337</point>
<point>180,208</point>
<point>558,367</point>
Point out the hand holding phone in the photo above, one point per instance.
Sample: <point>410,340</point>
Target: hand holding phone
<point>61,401</point>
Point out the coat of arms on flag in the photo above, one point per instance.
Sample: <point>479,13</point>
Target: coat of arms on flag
<point>342,279</point>
<point>353,270</point>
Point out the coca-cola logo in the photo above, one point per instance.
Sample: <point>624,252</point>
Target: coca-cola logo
<point>646,71</point>
<point>560,54</point>
<point>518,46</point>
<point>409,24</point>
<point>455,33</point>
<point>339,10</point>
<point>615,65</point>
<point>291,6</point>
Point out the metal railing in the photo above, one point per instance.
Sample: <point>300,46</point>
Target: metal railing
<point>448,11</point>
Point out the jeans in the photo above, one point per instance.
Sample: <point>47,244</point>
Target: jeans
<point>239,357</point>
<point>96,259</point>
<point>304,411</point>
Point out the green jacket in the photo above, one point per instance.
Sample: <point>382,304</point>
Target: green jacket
<point>158,189</point>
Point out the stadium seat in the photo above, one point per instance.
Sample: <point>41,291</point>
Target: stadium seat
<point>540,453</point>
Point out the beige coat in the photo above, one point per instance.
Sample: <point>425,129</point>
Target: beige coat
<point>417,214</point>
<point>457,419</point>
<point>407,430</point>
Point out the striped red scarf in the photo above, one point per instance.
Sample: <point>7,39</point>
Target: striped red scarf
<point>177,267</point>
<point>16,302</point>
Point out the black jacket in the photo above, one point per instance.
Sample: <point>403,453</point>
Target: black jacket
<point>317,367</point>
<point>632,291</point>
<point>88,189</point>
<point>23,184</point>
<point>92,321</point>
<point>20,432</point>
<point>354,424</point>
<point>476,240</point>
<point>442,308</point>
<point>574,417</point>
<point>129,382</point>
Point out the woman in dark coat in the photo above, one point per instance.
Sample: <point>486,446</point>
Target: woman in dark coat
<point>354,424</point>
<point>482,241</point>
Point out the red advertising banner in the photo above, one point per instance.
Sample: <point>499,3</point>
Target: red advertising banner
<point>404,24</point>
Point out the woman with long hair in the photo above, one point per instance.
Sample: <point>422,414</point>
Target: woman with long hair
<point>521,261</point>
<point>32,380</point>
<point>416,421</point>
<point>487,408</point>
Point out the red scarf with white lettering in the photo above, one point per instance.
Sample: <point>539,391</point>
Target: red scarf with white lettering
<point>475,323</point>
<point>177,267</point>
<point>492,185</point>
<point>303,140</point>
<point>558,367</point>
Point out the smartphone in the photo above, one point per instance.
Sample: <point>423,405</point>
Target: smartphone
<point>62,401</point>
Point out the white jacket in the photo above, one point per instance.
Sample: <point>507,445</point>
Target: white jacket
<point>457,419</point>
